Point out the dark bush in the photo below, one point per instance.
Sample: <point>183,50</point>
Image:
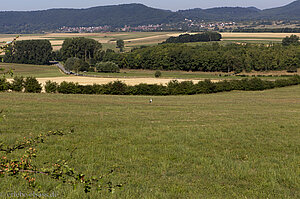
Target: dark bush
<point>115,88</point>
<point>76,64</point>
<point>17,84</point>
<point>107,67</point>
<point>4,85</point>
<point>51,87</point>
<point>157,74</point>
<point>205,86</point>
<point>68,88</point>
<point>31,85</point>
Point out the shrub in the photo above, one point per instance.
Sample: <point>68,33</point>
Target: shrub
<point>115,88</point>
<point>76,64</point>
<point>206,86</point>
<point>4,85</point>
<point>31,85</point>
<point>107,67</point>
<point>292,69</point>
<point>17,84</point>
<point>157,74</point>
<point>68,88</point>
<point>51,87</point>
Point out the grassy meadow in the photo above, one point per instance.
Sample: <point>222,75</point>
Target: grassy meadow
<point>225,145</point>
<point>32,70</point>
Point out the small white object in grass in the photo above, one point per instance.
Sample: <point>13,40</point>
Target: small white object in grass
<point>150,101</point>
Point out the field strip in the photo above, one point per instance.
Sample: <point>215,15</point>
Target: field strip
<point>154,37</point>
<point>249,39</point>
<point>263,35</point>
<point>96,80</point>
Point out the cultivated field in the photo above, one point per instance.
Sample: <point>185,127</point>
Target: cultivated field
<point>135,39</point>
<point>132,39</point>
<point>130,77</point>
<point>256,37</point>
<point>225,145</point>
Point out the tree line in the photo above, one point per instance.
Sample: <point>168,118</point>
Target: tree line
<point>201,37</point>
<point>29,52</point>
<point>210,57</point>
<point>174,87</point>
<point>87,55</point>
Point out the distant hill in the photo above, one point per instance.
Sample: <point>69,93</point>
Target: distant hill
<point>220,14</point>
<point>115,16</point>
<point>133,15</point>
<point>288,12</point>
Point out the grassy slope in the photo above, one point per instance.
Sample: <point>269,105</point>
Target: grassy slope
<point>226,145</point>
<point>52,71</point>
<point>32,70</point>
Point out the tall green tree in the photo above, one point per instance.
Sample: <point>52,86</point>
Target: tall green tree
<point>29,52</point>
<point>120,45</point>
<point>290,40</point>
<point>80,47</point>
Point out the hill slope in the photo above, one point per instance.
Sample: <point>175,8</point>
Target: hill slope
<point>115,16</point>
<point>288,12</point>
<point>222,13</point>
<point>133,15</point>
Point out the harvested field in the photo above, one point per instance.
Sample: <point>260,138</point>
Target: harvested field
<point>128,81</point>
<point>133,39</point>
<point>257,35</point>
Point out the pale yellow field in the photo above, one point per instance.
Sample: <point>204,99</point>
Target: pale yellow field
<point>95,80</point>
<point>263,35</point>
<point>57,39</point>
<point>128,81</point>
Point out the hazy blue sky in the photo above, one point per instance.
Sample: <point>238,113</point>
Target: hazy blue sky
<point>164,4</point>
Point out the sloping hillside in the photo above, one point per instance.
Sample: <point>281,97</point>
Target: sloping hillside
<point>115,16</point>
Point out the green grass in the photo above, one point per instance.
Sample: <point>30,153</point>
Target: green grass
<point>150,73</point>
<point>128,73</point>
<point>225,145</point>
<point>32,70</point>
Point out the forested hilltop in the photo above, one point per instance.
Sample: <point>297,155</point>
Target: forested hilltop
<point>133,15</point>
<point>115,16</point>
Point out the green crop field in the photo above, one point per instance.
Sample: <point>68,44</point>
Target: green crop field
<point>32,70</point>
<point>225,145</point>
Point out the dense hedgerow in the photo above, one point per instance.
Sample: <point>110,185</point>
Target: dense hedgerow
<point>172,88</point>
<point>176,88</point>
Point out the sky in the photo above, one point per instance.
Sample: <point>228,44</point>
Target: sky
<point>163,4</point>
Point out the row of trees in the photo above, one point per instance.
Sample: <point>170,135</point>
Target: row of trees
<point>172,88</point>
<point>202,37</point>
<point>19,84</point>
<point>210,57</point>
<point>29,52</point>
<point>82,54</point>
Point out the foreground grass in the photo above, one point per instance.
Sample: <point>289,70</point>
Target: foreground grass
<point>32,70</point>
<point>226,145</point>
